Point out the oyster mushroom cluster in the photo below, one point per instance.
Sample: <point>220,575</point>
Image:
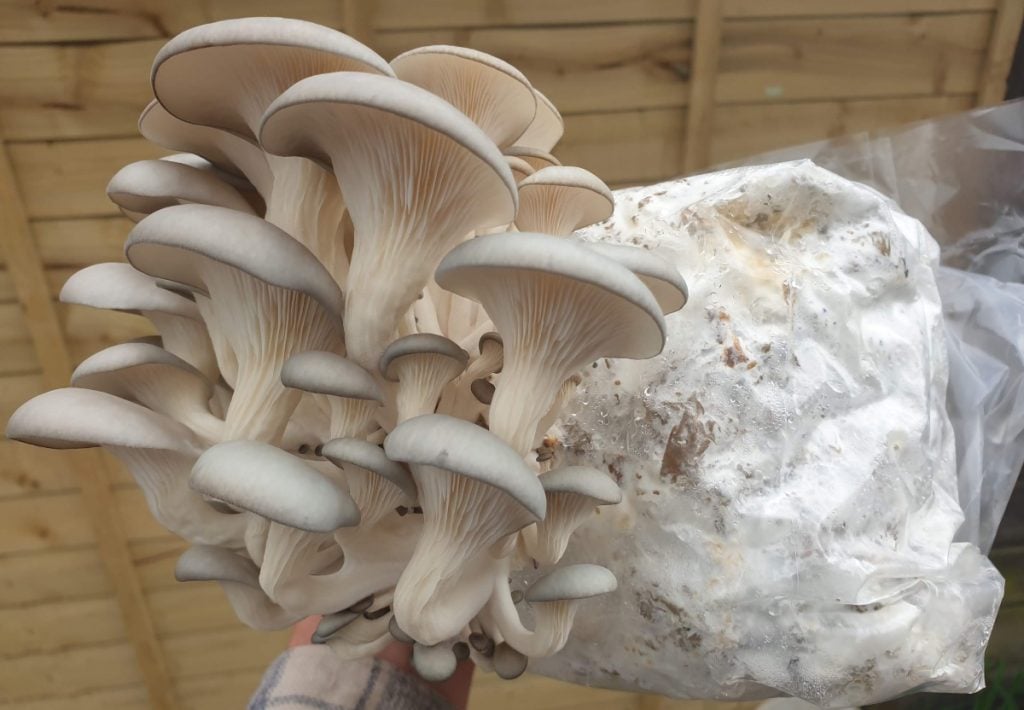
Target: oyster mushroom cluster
<point>370,310</point>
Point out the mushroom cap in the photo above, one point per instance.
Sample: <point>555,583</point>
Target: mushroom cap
<point>329,373</point>
<point>336,97</point>
<point>664,281</point>
<point>146,186</point>
<point>76,418</point>
<point>171,243</point>
<point>331,624</point>
<point>547,126</point>
<point>482,389</point>
<point>572,582</point>
<point>465,449</point>
<point>534,157</point>
<point>208,563</point>
<point>95,372</point>
<point>434,664</point>
<point>585,191</point>
<point>582,481</point>
<point>508,662</point>
<point>372,458</point>
<point>272,483</point>
<point>490,337</point>
<point>232,154</point>
<point>223,74</point>
<point>501,100</point>
<point>519,167</point>
<point>481,264</point>
<point>419,344</point>
<point>120,287</point>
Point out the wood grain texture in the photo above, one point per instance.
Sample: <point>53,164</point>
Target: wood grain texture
<point>1006,29</point>
<point>706,45</point>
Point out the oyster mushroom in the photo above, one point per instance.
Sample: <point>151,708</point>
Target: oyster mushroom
<point>434,664</point>
<point>558,306</point>
<point>119,287</point>
<point>666,284</point>
<point>263,295</point>
<point>546,128</point>
<point>418,177</point>
<point>239,578</point>
<point>377,484</point>
<point>422,364</point>
<point>146,186</point>
<point>560,200</point>
<point>555,599</point>
<point>156,379</point>
<point>156,450</point>
<point>352,395</point>
<point>475,492</point>
<point>534,157</point>
<point>490,91</point>
<point>573,492</point>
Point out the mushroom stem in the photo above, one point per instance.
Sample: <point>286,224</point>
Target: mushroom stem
<point>525,392</point>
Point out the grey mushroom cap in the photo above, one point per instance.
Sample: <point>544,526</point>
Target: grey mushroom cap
<point>465,449</point>
<point>486,258</point>
<point>208,563</point>
<point>434,663</point>
<point>583,481</point>
<point>396,632</point>
<point>331,624</point>
<point>202,74</point>
<point>483,390</point>
<point>580,581</point>
<point>168,243</point>
<point>372,458</point>
<point>126,355</point>
<point>419,344</point>
<point>508,662</point>
<point>329,373</point>
<point>146,186</point>
<point>272,483</point>
<point>76,418</point>
<point>120,287</point>
<point>490,337</point>
<point>664,281</point>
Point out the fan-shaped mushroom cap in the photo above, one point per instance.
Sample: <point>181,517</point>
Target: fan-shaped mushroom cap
<point>422,364</point>
<point>146,186</point>
<point>229,152</point>
<point>119,287</point>
<point>534,157</point>
<point>371,458</point>
<point>239,578</point>
<point>572,582</point>
<point>272,483</point>
<point>224,74</point>
<point>154,378</point>
<point>558,306</point>
<point>490,91</point>
<point>546,128</point>
<point>404,152</point>
<point>329,373</point>
<point>474,491</point>
<point>561,199</point>
<point>664,281</point>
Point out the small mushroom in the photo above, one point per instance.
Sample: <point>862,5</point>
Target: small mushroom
<point>361,638</point>
<point>434,664</point>
<point>508,662</point>
<point>422,364</point>
<point>555,598</point>
<point>351,393</point>
<point>483,390</point>
<point>664,281</point>
<point>377,484</point>
<point>239,578</point>
<point>332,623</point>
<point>475,491</point>
<point>534,157</point>
<point>546,128</point>
<point>519,167</point>
<point>397,633</point>
<point>558,305</point>
<point>560,200</point>
<point>572,493</point>
<point>146,186</point>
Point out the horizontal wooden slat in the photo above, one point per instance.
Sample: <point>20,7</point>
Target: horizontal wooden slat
<point>79,242</point>
<point>813,59</point>
<point>28,470</point>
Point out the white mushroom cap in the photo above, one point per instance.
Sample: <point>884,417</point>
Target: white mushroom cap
<point>534,157</point>
<point>377,484</point>
<point>155,378</point>
<point>352,395</point>
<point>558,306</point>
<point>224,74</point>
<point>422,364</point>
<point>490,91</point>
<point>273,484</point>
<point>146,186</point>
<point>519,167</point>
<point>404,153</point>
<point>547,126</point>
<point>434,664</point>
<point>664,281</point>
<point>331,624</point>
<point>571,583</point>
<point>229,152</point>
<point>239,578</point>
<point>474,491</point>
<point>561,199</point>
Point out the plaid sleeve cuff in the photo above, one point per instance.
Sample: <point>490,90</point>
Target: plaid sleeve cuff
<point>312,677</point>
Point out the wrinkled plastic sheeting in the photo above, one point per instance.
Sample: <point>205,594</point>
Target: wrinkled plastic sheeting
<point>961,176</point>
